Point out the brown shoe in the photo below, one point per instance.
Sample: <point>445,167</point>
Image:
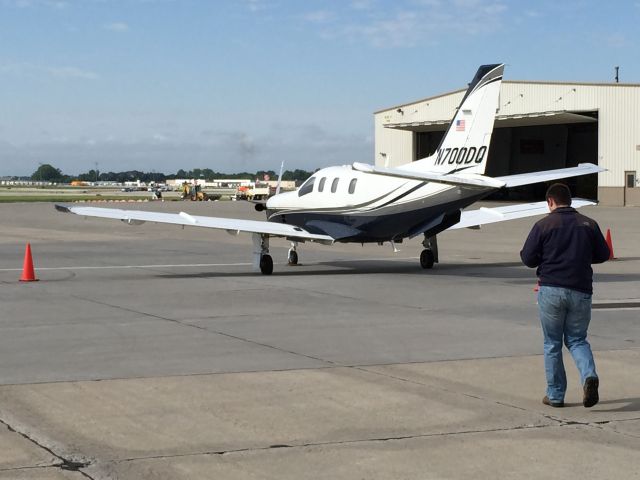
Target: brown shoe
<point>590,397</point>
<point>546,401</point>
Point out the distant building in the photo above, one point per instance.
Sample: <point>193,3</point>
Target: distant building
<point>12,181</point>
<point>539,126</point>
<point>217,183</point>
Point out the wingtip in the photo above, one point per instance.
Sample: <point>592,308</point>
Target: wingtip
<point>598,168</point>
<point>62,208</point>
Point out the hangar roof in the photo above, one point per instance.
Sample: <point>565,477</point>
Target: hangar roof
<point>526,82</point>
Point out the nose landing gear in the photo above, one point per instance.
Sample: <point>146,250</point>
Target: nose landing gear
<point>292,255</point>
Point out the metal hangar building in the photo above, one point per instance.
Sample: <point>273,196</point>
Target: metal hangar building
<point>539,126</point>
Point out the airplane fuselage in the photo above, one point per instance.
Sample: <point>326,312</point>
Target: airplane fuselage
<point>354,206</point>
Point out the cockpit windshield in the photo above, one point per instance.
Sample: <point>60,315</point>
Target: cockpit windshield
<point>307,187</point>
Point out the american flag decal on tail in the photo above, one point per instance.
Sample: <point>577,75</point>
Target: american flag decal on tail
<point>459,125</point>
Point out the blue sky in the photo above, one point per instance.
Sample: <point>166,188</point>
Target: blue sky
<point>244,84</point>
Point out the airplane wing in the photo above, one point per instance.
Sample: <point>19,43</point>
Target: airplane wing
<point>547,175</point>
<point>483,216</point>
<point>233,226</point>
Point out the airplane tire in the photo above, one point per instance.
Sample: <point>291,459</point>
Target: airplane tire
<point>292,257</point>
<point>266,264</point>
<point>427,259</point>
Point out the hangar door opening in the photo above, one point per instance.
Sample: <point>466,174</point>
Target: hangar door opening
<point>529,144</point>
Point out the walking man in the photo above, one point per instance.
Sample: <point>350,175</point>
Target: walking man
<point>562,246</point>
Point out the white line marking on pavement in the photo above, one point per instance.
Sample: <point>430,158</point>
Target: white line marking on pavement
<point>107,267</point>
<point>195,265</point>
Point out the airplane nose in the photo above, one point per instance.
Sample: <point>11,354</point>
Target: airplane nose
<point>271,202</point>
<point>276,201</point>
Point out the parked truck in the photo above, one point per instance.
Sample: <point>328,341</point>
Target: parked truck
<point>259,191</point>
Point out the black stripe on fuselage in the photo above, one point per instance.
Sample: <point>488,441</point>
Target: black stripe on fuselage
<point>411,190</point>
<point>391,223</point>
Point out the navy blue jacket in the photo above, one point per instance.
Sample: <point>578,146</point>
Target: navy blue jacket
<point>563,245</point>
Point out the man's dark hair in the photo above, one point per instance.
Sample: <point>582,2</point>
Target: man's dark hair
<point>560,194</point>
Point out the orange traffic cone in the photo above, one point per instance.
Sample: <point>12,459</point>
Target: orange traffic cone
<point>610,245</point>
<point>28,274</point>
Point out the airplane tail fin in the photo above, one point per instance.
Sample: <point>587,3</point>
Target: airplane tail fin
<point>465,145</point>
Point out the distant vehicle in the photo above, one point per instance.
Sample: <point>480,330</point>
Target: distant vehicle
<point>126,189</point>
<point>257,192</point>
<point>367,204</point>
<point>195,193</point>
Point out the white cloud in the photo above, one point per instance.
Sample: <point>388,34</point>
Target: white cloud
<point>30,70</point>
<point>57,4</point>
<point>18,3</point>
<point>414,22</point>
<point>616,40</point>
<point>400,31</point>
<point>71,72</point>
<point>362,4</point>
<point>257,5</point>
<point>117,27</point>
<point>319,16</point>
<point>429,3</point>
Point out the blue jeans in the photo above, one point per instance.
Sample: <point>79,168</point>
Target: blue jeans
<point>565,315</point>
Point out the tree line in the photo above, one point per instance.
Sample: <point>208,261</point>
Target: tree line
<point>49,173</point>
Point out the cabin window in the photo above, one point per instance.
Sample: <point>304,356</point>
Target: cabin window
<point>334,185</point>
<point>352,185</point>
<point>307,187</point>
<point>321,184</point>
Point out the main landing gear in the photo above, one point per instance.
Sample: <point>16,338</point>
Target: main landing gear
<point>429,255</point>
<point>427,259</point>
<point>266,264</point>
<point>261,258</point>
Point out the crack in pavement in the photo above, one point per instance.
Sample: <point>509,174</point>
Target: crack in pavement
<point>338,442</point>
<point>217,332</point>
<point>72,465</point>
<point>65,463</point>
<point>558,420</point>
<point>19,469</point>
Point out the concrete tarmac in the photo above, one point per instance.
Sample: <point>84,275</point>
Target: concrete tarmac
<point>155,352</point>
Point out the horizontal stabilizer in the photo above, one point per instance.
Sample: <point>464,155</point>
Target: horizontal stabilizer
<point>483,216</point>
<point>235,225</point>
<point>466,180</point>
<point>548,175</point>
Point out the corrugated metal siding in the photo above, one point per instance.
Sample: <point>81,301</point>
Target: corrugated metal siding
<point>618,107</point>
<point>396,149</point>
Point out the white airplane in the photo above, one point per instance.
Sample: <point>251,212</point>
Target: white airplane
<point>363,203</point>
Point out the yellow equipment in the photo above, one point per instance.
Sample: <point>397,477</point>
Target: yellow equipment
<point>193,193</point>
